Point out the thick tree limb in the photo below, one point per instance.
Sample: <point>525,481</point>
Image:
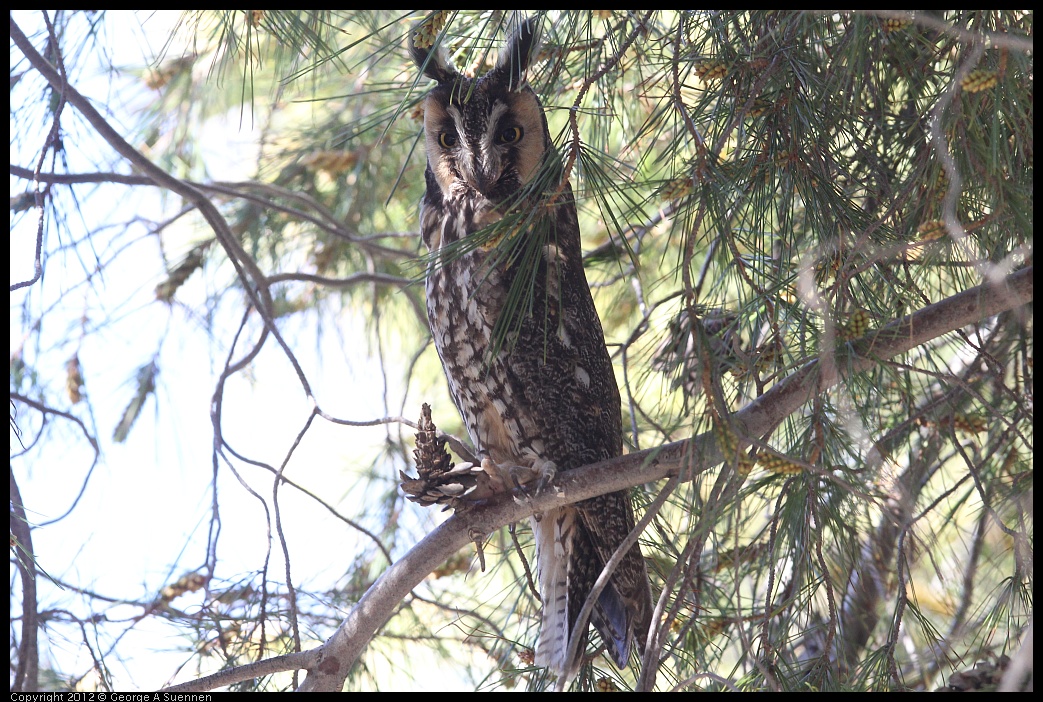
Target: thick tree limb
<point>341,651</point>
<point>331,662</point>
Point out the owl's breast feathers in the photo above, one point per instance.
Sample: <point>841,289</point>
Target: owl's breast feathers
<point>550,358</point>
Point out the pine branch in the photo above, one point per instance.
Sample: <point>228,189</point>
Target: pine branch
<point>690,457</point>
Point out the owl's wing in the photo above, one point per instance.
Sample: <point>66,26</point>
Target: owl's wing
<point>566,376</point>
<point>558,356</point>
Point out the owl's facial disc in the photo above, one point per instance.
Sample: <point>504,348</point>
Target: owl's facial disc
<point>491,143</point>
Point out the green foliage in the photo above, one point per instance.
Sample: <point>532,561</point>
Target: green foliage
<point>781,182</point>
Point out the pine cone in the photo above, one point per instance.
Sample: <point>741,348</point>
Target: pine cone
<point>438,481</point>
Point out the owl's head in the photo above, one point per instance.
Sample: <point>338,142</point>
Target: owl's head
<point>485,134</point>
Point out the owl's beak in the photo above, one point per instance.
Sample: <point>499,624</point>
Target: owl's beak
<point>485,182</point>
<point>483,177</point>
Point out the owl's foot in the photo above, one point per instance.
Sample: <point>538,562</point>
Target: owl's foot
<point>545,474</point>
<point>542,474</point>
<point>507,477</point>
<point>535,480</point>
<point>530,481</point>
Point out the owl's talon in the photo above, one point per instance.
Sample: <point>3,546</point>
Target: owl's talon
<point>490,468</point>
<point>542,474</point>
<point>521,477</point>
<point>546,471</point>
<point>510,476</point>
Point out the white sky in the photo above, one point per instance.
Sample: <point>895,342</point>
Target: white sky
<point>149,498</point>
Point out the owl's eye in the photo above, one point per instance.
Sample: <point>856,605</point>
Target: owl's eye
<point>510,135</point>
<point>447,140</point>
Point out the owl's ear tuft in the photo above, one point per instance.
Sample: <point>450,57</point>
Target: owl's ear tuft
<point>518,52</point>
<point>429,57</point>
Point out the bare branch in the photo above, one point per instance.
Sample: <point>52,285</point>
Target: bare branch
<point>999,39</point>
<point>254,281</point>
<point>334,659</point>
<point>26,677</point>
<point>86,433</point>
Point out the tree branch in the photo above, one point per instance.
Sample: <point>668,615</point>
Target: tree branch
<point>334,659</point>
<point>255,284</point>
<point>325,220</point>
<point>27,667</point>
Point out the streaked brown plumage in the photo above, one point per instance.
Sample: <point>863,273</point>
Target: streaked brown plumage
<point>518,335</point>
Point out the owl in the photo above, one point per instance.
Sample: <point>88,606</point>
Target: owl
<point>520,341</point>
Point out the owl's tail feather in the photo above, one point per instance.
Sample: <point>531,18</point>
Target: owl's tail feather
<point>611,618</point>
<point>554,536</point>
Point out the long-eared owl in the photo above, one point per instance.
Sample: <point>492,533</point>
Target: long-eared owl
<point>519,338</point>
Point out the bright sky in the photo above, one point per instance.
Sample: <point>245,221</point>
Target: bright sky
<point>149,499</point>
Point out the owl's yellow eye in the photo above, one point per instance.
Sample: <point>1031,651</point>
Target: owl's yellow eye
<point>447,140</point>
<point>510,135</point>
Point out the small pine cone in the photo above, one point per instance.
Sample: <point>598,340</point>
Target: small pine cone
<point>190,582</point>
<point>74,379</point>
<point>970,423</point>
<point>431,457</point>
<point>758,108</point>
<point>708,630</point>
<point>931,229</point>
<point>711,70</point>
<point>827,267</point>
<point>739,556</point>
<point>766,356</point>
<point>980,79</point>
<point>192,262</point>
<point>984,677</point>
<point>727,441</point>
<point>333,162</point>
<point>677,189</point>
<point>856,326</point>
<point>439,481</point>
<point>743,464</point>
<point>776,463</point>
<point>427,31</point>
